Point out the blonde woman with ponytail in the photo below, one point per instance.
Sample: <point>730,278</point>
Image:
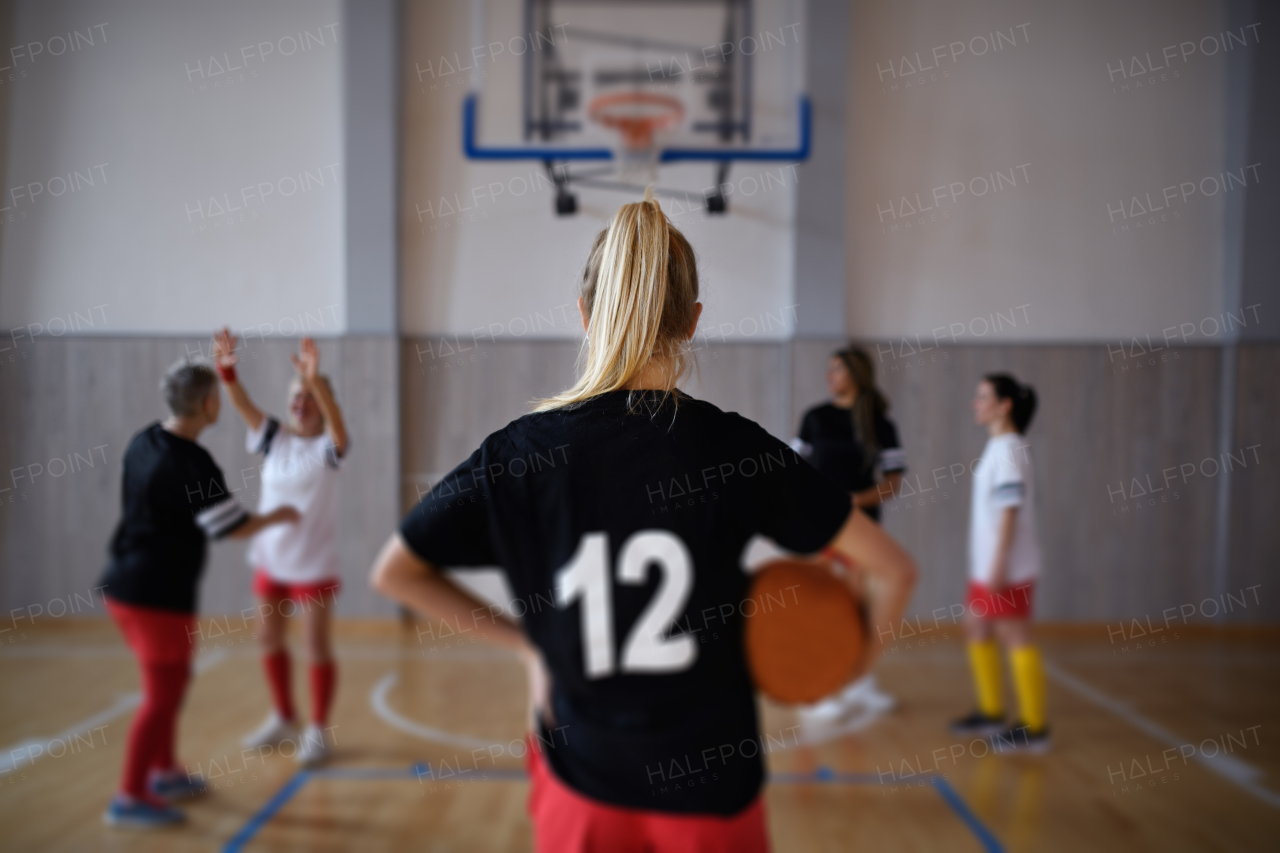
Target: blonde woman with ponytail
<point>619,510</point>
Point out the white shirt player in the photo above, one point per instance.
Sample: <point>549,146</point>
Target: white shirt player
<point>1003,479</point>
<point>300,472</point>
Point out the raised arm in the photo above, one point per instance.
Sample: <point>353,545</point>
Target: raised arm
<point>307,363</point>
<point>224,356</point>
<point>890,570</point>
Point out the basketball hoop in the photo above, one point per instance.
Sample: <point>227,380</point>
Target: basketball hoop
<point>637,116</point>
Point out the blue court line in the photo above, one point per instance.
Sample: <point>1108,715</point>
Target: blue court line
<point>823,775</point>
<point>267,812</point>
<point>989,841</point>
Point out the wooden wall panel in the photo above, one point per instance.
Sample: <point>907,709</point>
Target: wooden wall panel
<point>1098,427</point>
<point>1254,545</point>
<point>455,392</point>
<point>69,395</point>
<point>1106,554</point>
<point>454,397</point>
<point>1104,420</point>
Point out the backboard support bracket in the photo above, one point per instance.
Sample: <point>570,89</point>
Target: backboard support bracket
<point>566,202</point>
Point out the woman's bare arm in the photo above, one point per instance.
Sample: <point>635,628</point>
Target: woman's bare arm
<point>224,355</point>
<point>400,574</point>
<point>255,522</point>
<point>880,493</point>
<point>891,574</point>
<point>307,363</point>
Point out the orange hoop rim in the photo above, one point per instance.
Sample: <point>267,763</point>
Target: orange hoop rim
<point>637,130</point>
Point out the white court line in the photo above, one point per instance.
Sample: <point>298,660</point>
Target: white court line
<point>123,705</point>
<point>1101,657</point>
<point>378,701</point>
<point>343,652</point>
<point>49,651</point>
<point>1227,766</point>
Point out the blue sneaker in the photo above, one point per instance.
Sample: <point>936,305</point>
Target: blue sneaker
<point>177,785</point>
<point>137,814</point>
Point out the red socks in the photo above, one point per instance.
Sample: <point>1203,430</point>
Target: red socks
<point>278,677</point>
<point>152,733</point>
<point>323,679</point>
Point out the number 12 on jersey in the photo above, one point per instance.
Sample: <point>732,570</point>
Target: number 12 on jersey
<point>647,648</point>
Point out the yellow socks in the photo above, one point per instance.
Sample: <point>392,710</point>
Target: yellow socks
<point>984,660</point>
<point>1028,680</point>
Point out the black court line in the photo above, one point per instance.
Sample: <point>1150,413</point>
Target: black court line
<point>821,776</point>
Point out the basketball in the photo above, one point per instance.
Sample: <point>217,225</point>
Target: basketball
<point>805,636</point>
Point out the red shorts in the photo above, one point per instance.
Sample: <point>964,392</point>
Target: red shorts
<point>317,592</point>
<point>1012,602</point>
<point>565,821</point>
<point>154,635</point>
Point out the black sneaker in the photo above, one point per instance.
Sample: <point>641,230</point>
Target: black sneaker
<point>979,724</point>
<point>1021,738</point>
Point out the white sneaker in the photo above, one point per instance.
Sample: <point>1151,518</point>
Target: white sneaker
<point>313,750</point>
<point>828,709</point>
<point>272,732</point>
<point>865,692</point>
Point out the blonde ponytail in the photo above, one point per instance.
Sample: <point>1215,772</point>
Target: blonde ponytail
<point>639,289</point>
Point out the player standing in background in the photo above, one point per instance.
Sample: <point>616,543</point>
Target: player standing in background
<point>854,444</point>
<point>628,672</point>
<point>296,566</point>
<point>174,498</point>
<point>1004,562</point>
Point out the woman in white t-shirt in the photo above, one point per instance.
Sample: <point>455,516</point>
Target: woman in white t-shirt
<point>295,573</point>
<point>1004,562</point>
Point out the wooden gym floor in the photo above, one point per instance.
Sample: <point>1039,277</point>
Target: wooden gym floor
<point>1174,746</point>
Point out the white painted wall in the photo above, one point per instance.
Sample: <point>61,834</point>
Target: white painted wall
<point>215,158</point>
<point>483,252</point>
<point>1056,241</point>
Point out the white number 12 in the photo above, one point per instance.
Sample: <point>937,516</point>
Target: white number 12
<point>647,649</point>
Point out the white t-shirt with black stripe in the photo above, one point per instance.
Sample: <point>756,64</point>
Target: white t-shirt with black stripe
<point>1003,479</point>
<point>302,473</point>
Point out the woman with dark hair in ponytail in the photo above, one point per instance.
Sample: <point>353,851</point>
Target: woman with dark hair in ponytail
<point>854,445</point>
<point>1004,562</point>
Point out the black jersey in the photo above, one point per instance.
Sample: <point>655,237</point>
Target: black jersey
<point>621,532</point>
<point>828,441</point>
<point>173,498</point>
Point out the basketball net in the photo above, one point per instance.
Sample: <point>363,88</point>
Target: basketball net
<point>638,117</point>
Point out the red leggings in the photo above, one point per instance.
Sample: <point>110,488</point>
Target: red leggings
<point>161,640</point>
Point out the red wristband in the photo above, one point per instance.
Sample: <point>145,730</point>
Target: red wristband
<point>227,372</point>
<point>836,557</point>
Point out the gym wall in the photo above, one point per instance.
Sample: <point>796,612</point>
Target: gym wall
<point>156,190</point>
<point>1024,279</point>
<point>421,393</point>
<point>481,252</point>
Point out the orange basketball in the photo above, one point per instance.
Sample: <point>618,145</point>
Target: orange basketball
<point>805,636</point>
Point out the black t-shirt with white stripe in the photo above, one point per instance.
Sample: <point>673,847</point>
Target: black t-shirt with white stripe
<point>621,530</point>
<point>173,498</point>
<point>829,443</point>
